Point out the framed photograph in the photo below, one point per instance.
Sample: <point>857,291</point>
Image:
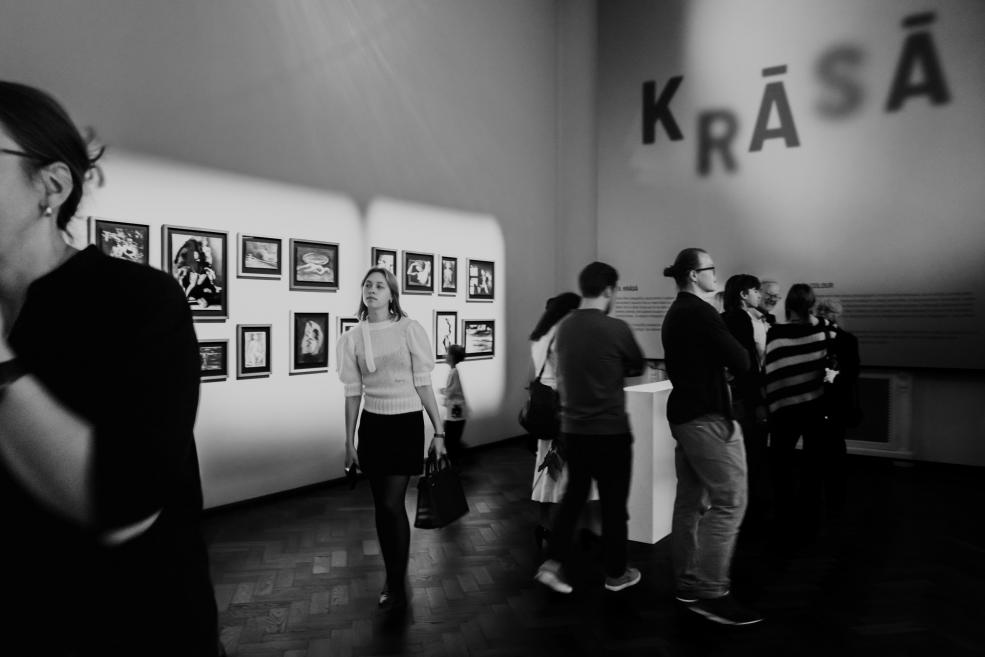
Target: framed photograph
<point>259,257</point>
<point>214,355</point>
<point>480,338</point>
<point>482,280</point>
<point>314,266</point>
<point>449,276</point>
<point>386,258</point>
<point>309,343</point>
<point>445,332</point>
<point>347,324</point>
<point>121,240</point>
<point>253,350</point>
<point>197,259</point>
<point>418,273</point>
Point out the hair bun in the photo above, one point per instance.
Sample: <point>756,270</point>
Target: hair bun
<point>670,271</point>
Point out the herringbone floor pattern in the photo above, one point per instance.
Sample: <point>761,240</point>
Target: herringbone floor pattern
<point>298,576</point>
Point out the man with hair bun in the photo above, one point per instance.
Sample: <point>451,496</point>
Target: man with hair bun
<point>710,456</point>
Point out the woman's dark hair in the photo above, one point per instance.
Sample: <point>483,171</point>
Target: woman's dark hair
<point>556,308</point>
<point>456,353</point>
<point>396,311</point>
<point>44,130</point>
<point>800,301</point>
<point>735,286</point>
<point>687,261</point>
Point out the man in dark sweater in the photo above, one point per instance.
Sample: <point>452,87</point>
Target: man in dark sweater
<point>710,457</point>
<point>595,353</point>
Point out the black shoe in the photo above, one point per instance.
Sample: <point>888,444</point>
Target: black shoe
<point>725,611</point>
<point>392,599</point>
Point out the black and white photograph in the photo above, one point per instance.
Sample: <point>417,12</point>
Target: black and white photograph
<point>314,266</point>
<point>259,257</point>
<point>120,239</point>
<point>449,276</point>
<point>445,332</point>
<point>418,273</point>
<point>197,259</point>
<point>347,324</point>
<point>214,356</point>
<point>385,258</point>
<point>482,280</point>
<point>309,342</point>
<point>253,350</point>
<point>479,338</point>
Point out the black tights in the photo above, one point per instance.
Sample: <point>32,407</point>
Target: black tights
<point>392,526</point>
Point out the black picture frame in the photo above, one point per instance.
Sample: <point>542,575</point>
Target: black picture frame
<point>314,266</point>
<point>198,261</point>
<point>448,274</point>
<point>386,258</point>
<point>309,342</point>
<point>214,357</point>
<point>445,332</point>
<point>253,351</point>
<point>479,338</point>
<point>121,239</point>
<point>259,257</point>
<point>347,324</point>
<point>418,273</point>
<point>481,284</point>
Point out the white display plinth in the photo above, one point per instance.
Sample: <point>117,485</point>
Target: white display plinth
<point>654,485</point>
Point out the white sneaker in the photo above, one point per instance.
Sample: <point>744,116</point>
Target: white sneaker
<point>549,574</point>
<point>631,577</point>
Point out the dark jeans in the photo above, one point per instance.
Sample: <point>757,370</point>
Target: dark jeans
<point>710,458</point>
<point>609,460</point>
<point>453,439</point>
<point>755,435</point>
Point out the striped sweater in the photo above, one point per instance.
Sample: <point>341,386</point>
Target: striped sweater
<point>795,362</point>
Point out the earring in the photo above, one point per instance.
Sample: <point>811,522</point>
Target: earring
<point>47,211</point>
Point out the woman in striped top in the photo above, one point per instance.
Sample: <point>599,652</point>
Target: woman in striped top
<point>796,357</point>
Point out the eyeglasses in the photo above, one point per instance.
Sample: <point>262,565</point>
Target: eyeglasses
<point>712,268</point>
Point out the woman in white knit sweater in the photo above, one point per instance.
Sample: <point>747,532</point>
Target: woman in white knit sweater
<point>385,365</point>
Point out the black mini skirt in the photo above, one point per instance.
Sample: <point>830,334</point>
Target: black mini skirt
<point>391,444</point>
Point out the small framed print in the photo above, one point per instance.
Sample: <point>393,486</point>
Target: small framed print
<point>347,324</point>
<point>385,258</point>
<point>121,240</point>
<point>309,343</point>
<point>418,273</point>
<point>259,257</point>
<point>314,266</point>
<point>482,280</point>
<point>252,350</point>
<point>445,332</point>
<point>214,356</point>
<point>480,338</point>
<point>197,260</point>
<point>449,276</point>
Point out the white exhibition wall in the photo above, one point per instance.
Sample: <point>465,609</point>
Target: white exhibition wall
<point>265,435</point>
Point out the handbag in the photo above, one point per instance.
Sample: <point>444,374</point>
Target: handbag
<point>440,497</point>
<point>541,413</point>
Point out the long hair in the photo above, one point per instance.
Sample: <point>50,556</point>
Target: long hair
<point>396,312</point>
<point>735,286</point>
<point>556,308</point>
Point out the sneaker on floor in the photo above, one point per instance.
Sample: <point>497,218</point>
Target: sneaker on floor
<point>631,577</point>
<point>725,610</point>
<point>549,574</point>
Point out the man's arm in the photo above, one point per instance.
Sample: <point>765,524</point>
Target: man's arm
<point>633,362</point>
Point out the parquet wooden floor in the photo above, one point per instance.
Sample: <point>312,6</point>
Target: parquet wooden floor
<point>298,575</point>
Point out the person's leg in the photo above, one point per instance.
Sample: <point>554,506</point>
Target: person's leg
<point>612,468</point>
<point>784,434</point>
<point>754,437</point>
<point>579,482</point>
<point>392,526</point>
<point>453,439</point>
<point>688,507</point>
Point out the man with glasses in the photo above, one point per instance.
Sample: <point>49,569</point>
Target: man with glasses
<point>710,457</point>
<point>770,297</point>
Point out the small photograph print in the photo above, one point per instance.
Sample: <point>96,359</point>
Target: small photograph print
<point>418,273</point>
<point>314,266</point>
<point>445,332</point>
<point>197,261</point>
<point>121,240</point>
<point>259,257</point>
<point>480,338</point>
<point>347,324</point>
<point>385,258</point>
<point>309,343</point>
<point>214,357</point>
<point>449,276</point>
<point>253,350</point>
<point>482,280</point>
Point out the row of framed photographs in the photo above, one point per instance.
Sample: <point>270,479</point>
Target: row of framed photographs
<point>309,345</point>
<point>198,260</point>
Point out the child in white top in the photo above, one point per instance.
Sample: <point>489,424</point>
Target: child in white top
<point>454,403</point>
